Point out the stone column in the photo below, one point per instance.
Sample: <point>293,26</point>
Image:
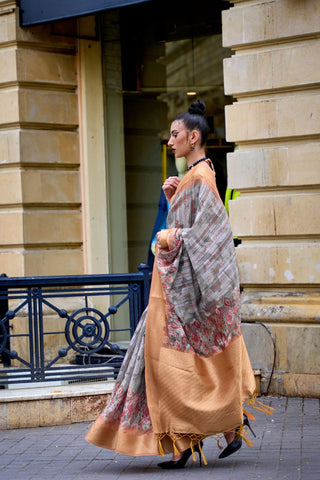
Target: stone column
<point>40,217</point>
<point>274,77</point>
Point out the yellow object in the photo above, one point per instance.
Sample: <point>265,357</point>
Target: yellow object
<point>164,163</point>
<point>231,194</point>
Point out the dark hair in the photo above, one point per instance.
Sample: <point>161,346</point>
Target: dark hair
<point>194,120</point>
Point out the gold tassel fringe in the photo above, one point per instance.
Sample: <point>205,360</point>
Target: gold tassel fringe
<point>244,435</point>
<point>218,438</point>
<point>194,439</point>
<point>202,454</point>
<point>175,450</point>
<point>256,405</point>
<point>160,446</point>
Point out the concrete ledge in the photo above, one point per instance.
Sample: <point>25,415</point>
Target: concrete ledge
<point>59,391</point>
<point>294,385</point>
<point>48,406</point>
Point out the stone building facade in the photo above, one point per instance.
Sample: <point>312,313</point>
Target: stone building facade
<point>274,78</point>
<point>62,167</point>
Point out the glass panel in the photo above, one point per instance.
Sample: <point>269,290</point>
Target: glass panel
<point>166,55</point>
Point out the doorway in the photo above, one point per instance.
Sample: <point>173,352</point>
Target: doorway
<point>169,59</point>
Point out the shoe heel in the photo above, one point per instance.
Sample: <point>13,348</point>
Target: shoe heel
<point>247,424</point>
<point>197,449</point>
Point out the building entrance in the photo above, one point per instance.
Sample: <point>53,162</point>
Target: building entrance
<point>169,59</point>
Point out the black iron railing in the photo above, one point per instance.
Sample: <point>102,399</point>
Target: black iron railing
<point>66,328</point>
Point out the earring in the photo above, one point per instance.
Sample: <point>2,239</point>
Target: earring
<point>192,147</point>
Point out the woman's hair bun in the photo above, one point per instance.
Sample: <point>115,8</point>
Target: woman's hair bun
<point>197,108</point>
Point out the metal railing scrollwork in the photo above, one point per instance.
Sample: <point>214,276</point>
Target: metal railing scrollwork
<point>67,329</point>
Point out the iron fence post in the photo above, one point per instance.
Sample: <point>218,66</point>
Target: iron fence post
<point>145,270</point>
<point>4,307</point>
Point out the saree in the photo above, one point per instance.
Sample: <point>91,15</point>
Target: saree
<point>186,373</point>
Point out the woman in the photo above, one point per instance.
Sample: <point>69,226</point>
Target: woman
<point>187,372</point>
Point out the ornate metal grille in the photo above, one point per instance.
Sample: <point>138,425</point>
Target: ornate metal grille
<point>64,328</point>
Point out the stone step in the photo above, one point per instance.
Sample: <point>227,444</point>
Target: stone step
<point>53,405</point>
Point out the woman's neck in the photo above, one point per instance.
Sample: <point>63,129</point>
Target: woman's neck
<point>194,156</point>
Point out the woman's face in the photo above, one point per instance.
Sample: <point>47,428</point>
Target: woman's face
<point>179,139</point>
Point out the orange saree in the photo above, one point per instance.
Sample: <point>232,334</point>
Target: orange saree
<point>187,372</point>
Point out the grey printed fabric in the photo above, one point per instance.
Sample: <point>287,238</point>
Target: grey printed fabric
<point>199,272</point>
<point>127,405</point>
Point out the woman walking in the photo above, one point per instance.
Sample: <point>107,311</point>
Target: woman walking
<point>187,373</point>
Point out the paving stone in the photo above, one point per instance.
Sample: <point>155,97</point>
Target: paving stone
<point>286,448</point>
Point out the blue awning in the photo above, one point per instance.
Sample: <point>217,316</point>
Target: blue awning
<point>33,12</point>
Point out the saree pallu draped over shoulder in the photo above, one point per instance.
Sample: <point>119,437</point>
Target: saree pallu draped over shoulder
<point>187,372</point>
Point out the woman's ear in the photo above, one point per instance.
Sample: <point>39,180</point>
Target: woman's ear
<point>194,136</point>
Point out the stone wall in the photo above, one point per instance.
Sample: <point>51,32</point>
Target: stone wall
<point>40,195</point>
<point>274,78</point>
<point>40,199</point>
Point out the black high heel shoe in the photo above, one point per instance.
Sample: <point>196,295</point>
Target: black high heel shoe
<point>247,424</point>
<point>175,464</point>
<point>236,444</point>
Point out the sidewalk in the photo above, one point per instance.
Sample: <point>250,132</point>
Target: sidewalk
<point>287,447</point>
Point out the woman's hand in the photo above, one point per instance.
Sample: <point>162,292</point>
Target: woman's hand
<point>169,187</point>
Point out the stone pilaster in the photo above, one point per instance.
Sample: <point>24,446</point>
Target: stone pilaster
<point>115,149</point>
<point>40,199</point>
<point>274,78</point>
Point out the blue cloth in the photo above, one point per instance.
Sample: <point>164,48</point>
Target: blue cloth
<point>160,223</point>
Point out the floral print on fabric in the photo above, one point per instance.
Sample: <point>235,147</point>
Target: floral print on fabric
<point>206,337</point>
<point>127,405</point>
<point>129,409</point>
